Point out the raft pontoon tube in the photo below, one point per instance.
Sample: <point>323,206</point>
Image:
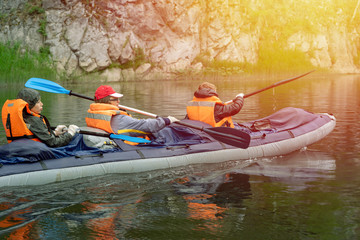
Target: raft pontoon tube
<point>283,132</point>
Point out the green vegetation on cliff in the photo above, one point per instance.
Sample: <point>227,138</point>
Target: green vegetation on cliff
<point>19,64</point>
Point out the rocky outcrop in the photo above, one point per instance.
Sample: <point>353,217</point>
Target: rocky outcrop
<point>153,38</point>
<point>329,50</point>
<point>18,27</point>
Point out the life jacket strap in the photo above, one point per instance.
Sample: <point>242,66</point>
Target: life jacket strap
<point>8,124</point>
<point>21,137</point>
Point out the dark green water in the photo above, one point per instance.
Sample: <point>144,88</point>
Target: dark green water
<point>309,194</point>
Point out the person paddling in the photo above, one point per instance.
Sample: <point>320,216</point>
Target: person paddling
<point>22,119</point>
<point>105,114</point>
<point>207,107</point>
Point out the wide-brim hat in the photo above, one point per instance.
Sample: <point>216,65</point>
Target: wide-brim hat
<point>104,91</point>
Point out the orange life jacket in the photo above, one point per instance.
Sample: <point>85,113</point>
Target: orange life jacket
<point>99,116</point>
<point>13,120</point>
<point>202,109</point>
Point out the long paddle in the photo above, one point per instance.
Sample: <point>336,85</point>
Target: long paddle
<point>235,137</point>
<point>275,85</point>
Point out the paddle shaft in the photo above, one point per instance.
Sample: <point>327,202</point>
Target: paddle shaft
<point>95,133</point>
<point>277,84</point>
<point>273,85</point>
<point>81,96</point>
<point>138,111</point>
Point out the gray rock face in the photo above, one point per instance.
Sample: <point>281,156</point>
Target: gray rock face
<point>88,36</point>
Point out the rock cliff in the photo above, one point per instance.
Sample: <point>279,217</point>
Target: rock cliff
<point>125,39</point>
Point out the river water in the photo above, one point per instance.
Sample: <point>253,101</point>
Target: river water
<point>310,194</point>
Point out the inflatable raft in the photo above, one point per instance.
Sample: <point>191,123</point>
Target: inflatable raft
<point>26,162</point>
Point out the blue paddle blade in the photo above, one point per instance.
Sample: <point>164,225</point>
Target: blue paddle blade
<point>46,86</point>
<point>128,138</point>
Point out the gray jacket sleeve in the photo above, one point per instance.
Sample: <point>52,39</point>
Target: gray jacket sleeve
<point>40,130</point>
<point>122,124</point>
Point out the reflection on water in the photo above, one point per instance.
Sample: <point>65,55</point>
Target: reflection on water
<point>296,168</point>
<point>309,194</point>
